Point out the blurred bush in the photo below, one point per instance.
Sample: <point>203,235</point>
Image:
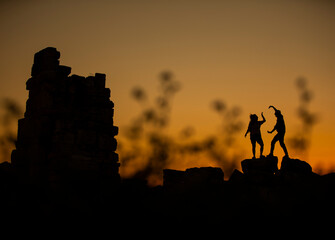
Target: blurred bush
<point>10,112</point>
<point>301,139</point>
<point>146,148</point>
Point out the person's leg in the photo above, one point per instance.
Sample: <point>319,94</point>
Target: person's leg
<point>273,142</point>
<point>260,142</point>
<point>253,143</point>
<point>282,144</point>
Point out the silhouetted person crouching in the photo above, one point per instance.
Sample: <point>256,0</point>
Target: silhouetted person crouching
<point>281,129</point>
<point>255,133</point>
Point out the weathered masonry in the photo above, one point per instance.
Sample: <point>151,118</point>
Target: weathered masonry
<point>66,140</point>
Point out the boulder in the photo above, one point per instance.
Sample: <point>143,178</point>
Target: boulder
<point>296,166</point>
<point>204,176</point>
<point>266,165</point>
<point>260,171</point>
<point>295,170</point>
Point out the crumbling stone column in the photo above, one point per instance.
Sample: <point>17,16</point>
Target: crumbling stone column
<point>66,140</point>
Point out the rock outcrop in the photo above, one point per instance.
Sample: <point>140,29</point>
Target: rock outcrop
<point>261,170</point>
<point>296,166</point>
<point>267,165</point>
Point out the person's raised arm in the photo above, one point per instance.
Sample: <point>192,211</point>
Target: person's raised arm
<point>273,108</point>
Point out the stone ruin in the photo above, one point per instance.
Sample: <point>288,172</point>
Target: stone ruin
<point>66,140</point>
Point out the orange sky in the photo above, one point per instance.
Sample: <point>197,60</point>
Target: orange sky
<point>248,53</point>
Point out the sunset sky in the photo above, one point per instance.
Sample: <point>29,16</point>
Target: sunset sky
<point>247,53</point>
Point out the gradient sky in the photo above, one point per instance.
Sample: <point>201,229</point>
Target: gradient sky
<point>247,53</point>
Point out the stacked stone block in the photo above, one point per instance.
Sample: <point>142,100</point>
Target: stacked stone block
<point>66,139</point>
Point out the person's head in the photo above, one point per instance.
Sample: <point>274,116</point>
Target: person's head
<point>253,117</point>
<point>278,113</point>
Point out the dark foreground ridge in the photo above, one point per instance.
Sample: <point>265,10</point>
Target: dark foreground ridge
<point>199,195</point>
<point>65,166</point>
<point>260,190</point>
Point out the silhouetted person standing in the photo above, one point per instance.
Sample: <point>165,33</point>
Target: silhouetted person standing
<point>281,129</point>
<point>255,133</point>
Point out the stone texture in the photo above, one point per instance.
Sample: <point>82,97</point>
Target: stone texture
<point>260,165</point>
<point>295,166</point>
<point>293,170</point>
<point>67,134</point>
<point>260,171</point>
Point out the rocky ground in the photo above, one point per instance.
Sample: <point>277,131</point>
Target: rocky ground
<point>196,194</point>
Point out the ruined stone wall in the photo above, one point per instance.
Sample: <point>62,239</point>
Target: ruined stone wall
<point>66,137</point>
